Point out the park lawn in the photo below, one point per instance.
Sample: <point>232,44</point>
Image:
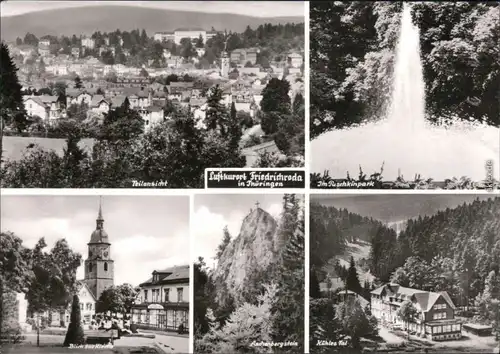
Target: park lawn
<point>14,146</point>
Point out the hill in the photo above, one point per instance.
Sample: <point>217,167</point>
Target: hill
<point>395,208</point>
<point>87,20</point>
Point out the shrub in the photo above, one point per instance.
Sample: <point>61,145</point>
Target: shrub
<point>75,333</point>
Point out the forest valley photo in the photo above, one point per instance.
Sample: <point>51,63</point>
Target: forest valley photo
<point>255,293</point>
<point>405,95</point>
<point>455,250</point>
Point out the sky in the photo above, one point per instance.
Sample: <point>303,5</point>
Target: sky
<point>145,232</point>
<point>214,211</point>
<point>249,8</point>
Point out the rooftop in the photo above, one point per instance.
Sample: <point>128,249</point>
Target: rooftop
<point>189,29</point>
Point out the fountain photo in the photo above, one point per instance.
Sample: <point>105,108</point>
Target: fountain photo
<point>404,95</point>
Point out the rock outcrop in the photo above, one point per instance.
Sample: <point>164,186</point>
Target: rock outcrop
<point>254,251</point>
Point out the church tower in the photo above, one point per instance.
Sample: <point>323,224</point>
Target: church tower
<point>99,267</point>
<point>224,64</point>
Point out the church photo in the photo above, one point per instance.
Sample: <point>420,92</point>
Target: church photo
<point>122,261</point>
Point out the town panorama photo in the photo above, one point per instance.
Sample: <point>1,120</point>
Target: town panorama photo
<point>148,94</point>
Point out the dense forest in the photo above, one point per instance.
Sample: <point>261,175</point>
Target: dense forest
<point>352,55</point>
<point>332,228</point>
<point>456,250</point>
<point>137,47</point>
<point>270,306</point>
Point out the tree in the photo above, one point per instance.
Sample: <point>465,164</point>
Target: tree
<point>270,122</point>
<point>75,334</point>
<point>248,323</point>
<point>78,82</point>
<point>324,325</point>
<point>233,111</point>
<point>248,64</point>
<point>199,42</point>
<point>488,302</point>
<point>224,243</point>
<point>407,312</point>
<point>117,300</point>
<point>54,277</point>
<point>217,115</point>
<point>187,50</point>
<point>144,73</point>
<point>11,101</point>
<point>288,319</point>
<point>352,280</point>
<point>201,284</point>
<point>354,321</point>
<point>275,97</point>
<point>15,275</point>
<point>121,124</point>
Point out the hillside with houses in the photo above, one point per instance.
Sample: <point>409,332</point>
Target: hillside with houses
<point>254,80</point>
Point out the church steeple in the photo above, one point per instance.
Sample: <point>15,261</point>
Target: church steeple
<point>99,235</point>
<point>99,220</point>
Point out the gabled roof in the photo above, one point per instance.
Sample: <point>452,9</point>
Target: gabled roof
<point>118,101</point>
<point>424,299</point>
<point>82,284</point>
<point>96,100</point>
<point>169,275</point>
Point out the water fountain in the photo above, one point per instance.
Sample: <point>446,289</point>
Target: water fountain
<point>404,141</point>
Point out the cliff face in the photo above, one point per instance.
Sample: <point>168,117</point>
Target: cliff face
<point>253,251</point>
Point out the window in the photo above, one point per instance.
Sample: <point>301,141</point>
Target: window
<point>90,267</point>
<point>439,315</point>
<point>439,329</point>
<point>145,295</point>
<point>180,292</point>
<point>105,266</point>
<point>166,295</point>
<point>81,306</point>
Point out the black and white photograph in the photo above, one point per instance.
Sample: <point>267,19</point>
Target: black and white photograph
<point>249,270</point>
<point>404,95</point>
<point>405,273</point>
<point>90,274</point>
<point>148,94</point>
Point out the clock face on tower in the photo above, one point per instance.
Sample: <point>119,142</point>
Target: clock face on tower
<point>105,254</point>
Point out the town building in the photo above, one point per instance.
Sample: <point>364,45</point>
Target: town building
<point>43,50</point>
<point>295,60</point>
<point>100,105</point>
<point>48,108</point>
<point>88,43</point>
<point>163,301</point>
<point>78,96</point>
<point>75,52</point>
<point>164,36</point>
<point>44,42</point>
<point>244,55</point>
<point>435,317</point>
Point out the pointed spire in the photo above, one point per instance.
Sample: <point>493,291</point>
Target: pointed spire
<point>99,216</point>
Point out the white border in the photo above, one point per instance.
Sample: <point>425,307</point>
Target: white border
<point>191,275</point>
<point>307,179</point>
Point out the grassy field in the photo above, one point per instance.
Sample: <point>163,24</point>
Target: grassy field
<point>14,146</point>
